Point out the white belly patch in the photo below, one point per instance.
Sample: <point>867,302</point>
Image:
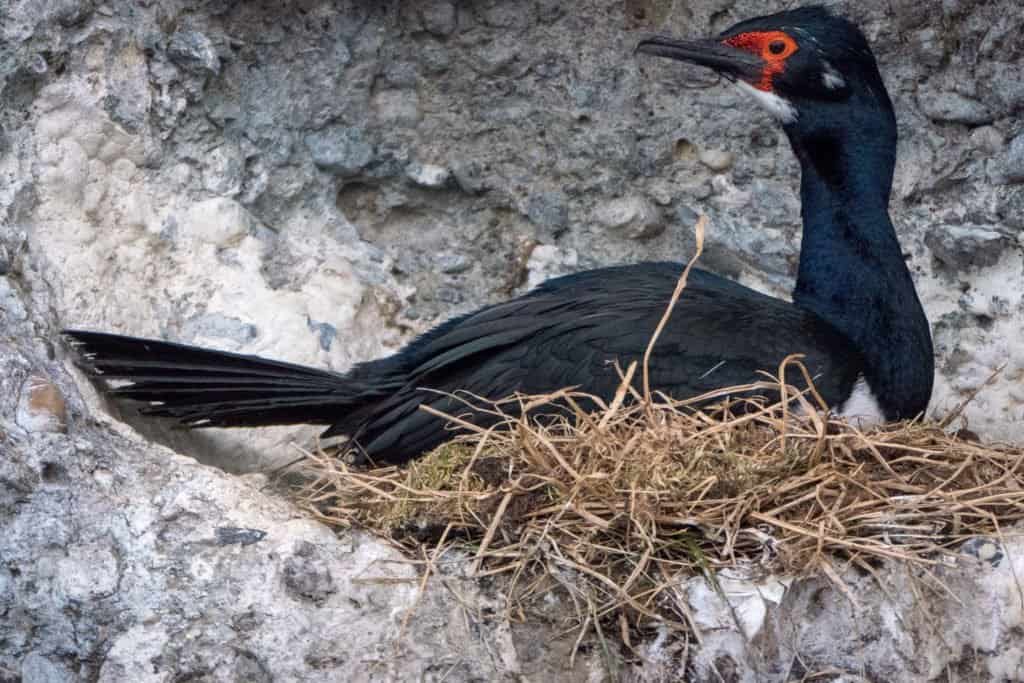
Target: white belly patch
<point>861,408</point>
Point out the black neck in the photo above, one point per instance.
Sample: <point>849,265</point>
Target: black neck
<point>852,272</point>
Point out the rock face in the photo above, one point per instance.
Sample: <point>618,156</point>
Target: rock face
<point>319,181</point>
<point>122,561</point>
<point>297,181</point>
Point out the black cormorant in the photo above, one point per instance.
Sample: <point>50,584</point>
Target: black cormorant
<point>855,314</point>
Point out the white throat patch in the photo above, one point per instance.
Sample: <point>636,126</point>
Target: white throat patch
<point>862,408</point>
<point>779,107</point>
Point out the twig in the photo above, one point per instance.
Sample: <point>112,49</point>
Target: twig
<point>680,286</point>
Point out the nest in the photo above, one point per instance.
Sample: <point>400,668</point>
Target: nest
<point>641,494</point>
<point>618,506</point>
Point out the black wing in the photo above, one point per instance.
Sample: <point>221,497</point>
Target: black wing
<point>571,331</point>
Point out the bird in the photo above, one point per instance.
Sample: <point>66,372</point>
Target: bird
<point>854,313</point>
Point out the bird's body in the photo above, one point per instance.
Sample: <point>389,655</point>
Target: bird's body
<point>570,331</point>
<point>855,315</point>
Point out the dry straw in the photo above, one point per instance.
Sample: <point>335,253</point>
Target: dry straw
<point>617,506</point>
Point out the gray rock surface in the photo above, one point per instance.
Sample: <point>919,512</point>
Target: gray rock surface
<point>121,560</point>
<point>318,182</point>
<point>226,173</point>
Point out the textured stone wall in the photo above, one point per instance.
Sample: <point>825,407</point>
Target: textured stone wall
<point>319,181</point>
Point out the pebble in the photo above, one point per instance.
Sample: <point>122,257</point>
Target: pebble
<point>635,217</point>
<point>453,264</point>
<point>718,160</point>
<point>963,247</point>
<point>340,150</point>
<point>951,107</point>
<point>988,139</point>
<point>428,175</point>
<point>469,176</point>
<point>223,169</point>
<point>193,51</point>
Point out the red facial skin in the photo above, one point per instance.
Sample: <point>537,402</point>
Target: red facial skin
<point>774,47</point>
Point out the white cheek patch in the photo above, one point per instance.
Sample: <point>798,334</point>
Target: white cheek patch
<point>832,79</point>
<point>779,107</point>
<point>862,408</point>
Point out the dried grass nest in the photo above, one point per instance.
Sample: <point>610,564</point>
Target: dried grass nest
<point>649,490</point>
<point>642,492</point>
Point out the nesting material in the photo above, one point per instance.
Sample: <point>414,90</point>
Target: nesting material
<point>649,490</point>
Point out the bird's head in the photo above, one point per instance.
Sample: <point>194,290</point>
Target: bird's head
<point>805,62</point>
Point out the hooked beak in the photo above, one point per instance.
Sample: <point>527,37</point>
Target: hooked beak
<point>725,59</point>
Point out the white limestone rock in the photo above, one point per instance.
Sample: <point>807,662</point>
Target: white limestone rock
<point>633,217</point>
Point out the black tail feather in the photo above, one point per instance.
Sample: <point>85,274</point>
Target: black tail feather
<point>207,388</point>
